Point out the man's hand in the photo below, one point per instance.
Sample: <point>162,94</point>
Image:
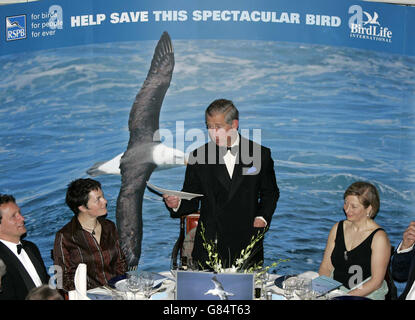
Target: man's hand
<point>259,223</point>
<point>171,201</point>
<point>408,236</point>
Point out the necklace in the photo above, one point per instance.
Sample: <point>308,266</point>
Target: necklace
<point>91,230</point>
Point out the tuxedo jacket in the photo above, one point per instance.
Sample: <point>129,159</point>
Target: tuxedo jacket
<point>403,269</point>
<point>229,206</point>
<point>16,283</point>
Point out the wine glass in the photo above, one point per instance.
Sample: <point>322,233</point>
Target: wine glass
<point>289,286</point>
<point>147,281</point>
<point>262,277</point>
<point>133,283</point>
<point>265,278</point>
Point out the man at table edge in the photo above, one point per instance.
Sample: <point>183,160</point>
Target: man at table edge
<point>403,263</point>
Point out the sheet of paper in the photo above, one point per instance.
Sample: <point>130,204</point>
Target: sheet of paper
<point>180,194</point>
<point>323,284</point>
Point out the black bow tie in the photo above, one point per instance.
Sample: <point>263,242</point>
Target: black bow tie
<point>233,150</point>
<point>19,248</point>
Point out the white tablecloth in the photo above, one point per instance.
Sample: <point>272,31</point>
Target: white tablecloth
<point>166,290</point>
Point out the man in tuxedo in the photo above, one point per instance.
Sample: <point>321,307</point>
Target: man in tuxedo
<point>25,268</point>
<point>240,193</point>
<point>403,263</point>
<point>2,271</point>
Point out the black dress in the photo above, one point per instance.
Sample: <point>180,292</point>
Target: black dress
<point>347,264</point>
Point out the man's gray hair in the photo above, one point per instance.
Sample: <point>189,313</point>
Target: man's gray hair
<point>225,107</point>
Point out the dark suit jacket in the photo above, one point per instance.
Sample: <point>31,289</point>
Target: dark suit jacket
<point>229,206</point>
<point>403,269</point>
<point>16,283</point>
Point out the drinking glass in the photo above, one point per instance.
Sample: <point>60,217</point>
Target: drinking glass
<point>263,278</point>
<point>147,280</point>
<point>259,284</point>
<point>303,288</point>
<point>289,286</point>
<point>133,283</point>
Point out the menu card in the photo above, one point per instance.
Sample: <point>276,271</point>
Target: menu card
<point>324,284</point>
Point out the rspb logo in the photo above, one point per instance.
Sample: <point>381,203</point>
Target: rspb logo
<point>16,28</point>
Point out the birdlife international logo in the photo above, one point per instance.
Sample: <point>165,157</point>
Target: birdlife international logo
<point>16,28</point>
<point>366,25</point>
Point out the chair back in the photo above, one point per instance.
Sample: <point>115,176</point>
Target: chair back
<point>188,226</point>
<point>392,290</point>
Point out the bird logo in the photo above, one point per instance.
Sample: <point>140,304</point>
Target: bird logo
<point>370,19</point>
<point>218,291</point>
<point>12,24</point>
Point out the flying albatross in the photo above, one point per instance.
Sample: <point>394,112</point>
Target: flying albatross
<point>144,151</point>
<point>218,291</point>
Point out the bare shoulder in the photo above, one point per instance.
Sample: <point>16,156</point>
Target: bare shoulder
<point>381,241</point>
<point>381,235</point>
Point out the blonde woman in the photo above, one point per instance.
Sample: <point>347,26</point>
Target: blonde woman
<point>358,250</point>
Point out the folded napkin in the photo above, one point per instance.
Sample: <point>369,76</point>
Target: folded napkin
<point>80,284</point>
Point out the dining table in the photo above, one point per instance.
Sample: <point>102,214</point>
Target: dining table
<point>271,288</point>
<point>163,289</point>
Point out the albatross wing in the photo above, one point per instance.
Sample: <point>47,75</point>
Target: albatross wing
<point>137,162</point>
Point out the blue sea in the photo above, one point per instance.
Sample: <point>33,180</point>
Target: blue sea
<point>331,115</point>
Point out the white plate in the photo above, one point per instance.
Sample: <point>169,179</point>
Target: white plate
<point>99,290</point>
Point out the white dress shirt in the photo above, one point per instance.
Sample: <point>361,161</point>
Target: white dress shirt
<point>230,159</point>
<point>411,293</point>
<point>25,260</point>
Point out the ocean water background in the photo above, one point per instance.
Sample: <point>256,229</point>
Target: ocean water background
<point>331,116</point>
